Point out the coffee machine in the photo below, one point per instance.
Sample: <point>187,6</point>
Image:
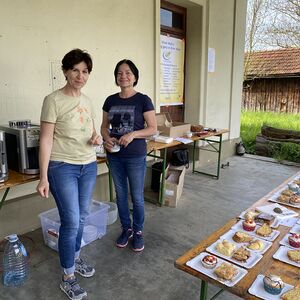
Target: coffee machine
<point>22,145</point>
<point>3,158</point>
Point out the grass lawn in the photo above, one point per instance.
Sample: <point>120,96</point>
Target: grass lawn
<point>252,121</point>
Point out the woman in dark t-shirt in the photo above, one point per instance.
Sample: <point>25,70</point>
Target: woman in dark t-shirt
<point>123,124</point>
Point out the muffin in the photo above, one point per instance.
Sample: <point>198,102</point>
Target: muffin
<point>273,284</point>
<point>294,240</point>
<point>249,225</point>
<point>209,261</point>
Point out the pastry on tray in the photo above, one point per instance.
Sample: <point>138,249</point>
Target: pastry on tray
<point>294,255</point>
<point>264,218</point>
<point>256,245</point>
<point>242,254</point>
<point>209,261</point>
<point>293,294</point>
<point>294,240</point>
<point>249,225</point>
<point>297,181</point>
<point>284,198</point>
<point>295,199</point>
<point>264,230</point>
<point>287,192</point>
<point>226,248</point>
<point>226,271</point>
<point>242,237</point>
<point>273,284</point>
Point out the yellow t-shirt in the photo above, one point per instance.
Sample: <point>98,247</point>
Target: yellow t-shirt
<point>73,119</point>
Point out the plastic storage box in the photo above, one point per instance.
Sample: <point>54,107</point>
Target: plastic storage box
<point>95,225</point>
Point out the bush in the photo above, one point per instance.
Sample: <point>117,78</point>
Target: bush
<point>288,151</point>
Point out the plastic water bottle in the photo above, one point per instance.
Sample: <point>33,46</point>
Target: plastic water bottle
<point>15,262</point>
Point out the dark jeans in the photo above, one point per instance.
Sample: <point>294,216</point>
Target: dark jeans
<point>132,171</point>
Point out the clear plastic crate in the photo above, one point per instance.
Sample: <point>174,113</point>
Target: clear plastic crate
<point>95,225</point>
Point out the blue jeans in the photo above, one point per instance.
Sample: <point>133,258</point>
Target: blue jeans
<point>72,188</point>
<point>132,171</point>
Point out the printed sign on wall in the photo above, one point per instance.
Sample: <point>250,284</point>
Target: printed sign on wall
<point>171,70</point>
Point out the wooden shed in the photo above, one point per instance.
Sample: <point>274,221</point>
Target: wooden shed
<point>272,81</point>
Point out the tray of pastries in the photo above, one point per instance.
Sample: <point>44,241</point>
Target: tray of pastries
<point>260,218</point>
<point>286,197</point>
<point>288,255</point>
<point>217,269</point>
<point>269,287</point>
<point>251,242</point>
<point>235,253</point>
<point>260,231</point>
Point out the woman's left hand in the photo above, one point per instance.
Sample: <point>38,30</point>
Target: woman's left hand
<point>126,139</point>
<point>95,139</point>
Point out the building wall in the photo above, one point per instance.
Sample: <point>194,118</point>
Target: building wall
<point>35,35</point>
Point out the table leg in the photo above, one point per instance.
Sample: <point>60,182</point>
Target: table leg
<point>203,292</point>
<point>194,155</point>
<point>4,197</point>
<point>162,185</point>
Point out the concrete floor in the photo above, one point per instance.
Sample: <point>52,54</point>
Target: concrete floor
<point>206,204</point>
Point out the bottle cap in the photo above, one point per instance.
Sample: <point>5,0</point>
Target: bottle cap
<point>12,238</point>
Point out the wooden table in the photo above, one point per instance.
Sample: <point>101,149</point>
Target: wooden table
<point>215,146</point>
<point>16,178</point>
<point>267,265</point>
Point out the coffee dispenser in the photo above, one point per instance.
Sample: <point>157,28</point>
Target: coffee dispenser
<point>3,158</point>
<point>22,145</point>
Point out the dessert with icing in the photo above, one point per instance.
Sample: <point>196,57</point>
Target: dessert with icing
<point>273,284</point>
<point>294,240</point>
<point>209,261</point>
<point>295,199</point>
<point>249,225</point>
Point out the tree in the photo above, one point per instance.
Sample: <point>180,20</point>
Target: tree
<point>284,27</point>
<point>255,30</point>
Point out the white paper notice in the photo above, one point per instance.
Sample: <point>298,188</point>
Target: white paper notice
<point>211,60</point>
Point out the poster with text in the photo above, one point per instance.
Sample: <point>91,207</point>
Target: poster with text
<point>171,70</point>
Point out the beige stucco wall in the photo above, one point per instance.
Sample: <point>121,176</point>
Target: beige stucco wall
<point>34,36</point>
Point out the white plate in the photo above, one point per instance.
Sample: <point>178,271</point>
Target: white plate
<point>251,261</point>
<point>281,254</point>
<point>274,224</point>
<point>229,234</point>
<point>239,227</point>
<point>298,222</point>
<point>257,289</point>
<point>196,264</point>
<point>295,229</point>
<point>269,209</point>
<point>275,196</point>
<point>285,242</point>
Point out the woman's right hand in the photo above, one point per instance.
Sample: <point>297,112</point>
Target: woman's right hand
<point>43,188</point>
<point>109,143</point>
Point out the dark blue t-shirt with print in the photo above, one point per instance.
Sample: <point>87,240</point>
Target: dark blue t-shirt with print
<point>126,115</point>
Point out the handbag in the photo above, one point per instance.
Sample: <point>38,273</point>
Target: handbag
<point>180,157</point>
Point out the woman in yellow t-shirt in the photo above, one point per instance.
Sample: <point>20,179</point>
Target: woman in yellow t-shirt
<point>68,165</point>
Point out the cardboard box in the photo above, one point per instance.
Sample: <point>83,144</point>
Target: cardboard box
<point>169,128</point>
<point>173,185</point>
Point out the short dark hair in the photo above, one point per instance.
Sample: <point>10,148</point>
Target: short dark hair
<point>75,57</point>
<point>131,66</point>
